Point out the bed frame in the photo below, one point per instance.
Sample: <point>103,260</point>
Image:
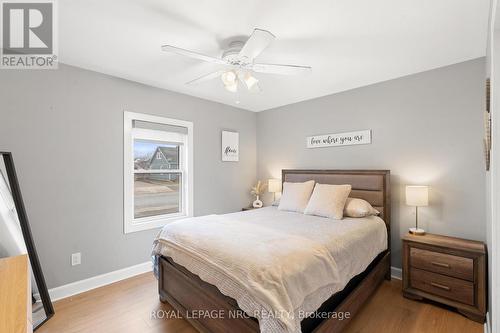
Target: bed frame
<point>194,299</point>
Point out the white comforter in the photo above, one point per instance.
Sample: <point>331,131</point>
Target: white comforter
<point>277,265</point>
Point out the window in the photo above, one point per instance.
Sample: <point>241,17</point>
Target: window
<point>158,172</point>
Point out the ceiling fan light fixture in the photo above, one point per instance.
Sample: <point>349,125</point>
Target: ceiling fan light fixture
<point>233,87</point>
<point>239,62</point>
<point>250,81</point>
<point>229,78</point>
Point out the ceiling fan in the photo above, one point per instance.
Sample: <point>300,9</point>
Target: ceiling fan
<point>238,61</point>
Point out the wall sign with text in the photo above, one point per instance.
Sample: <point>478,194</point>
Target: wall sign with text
<point>230,146</point>
<point>340,139</point>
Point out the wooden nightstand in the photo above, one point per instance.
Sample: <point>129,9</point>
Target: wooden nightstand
<point>447,270</point>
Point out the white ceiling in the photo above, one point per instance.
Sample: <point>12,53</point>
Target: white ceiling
<point>349,43</point>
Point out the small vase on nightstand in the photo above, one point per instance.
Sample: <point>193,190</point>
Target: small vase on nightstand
<point>257,203</point>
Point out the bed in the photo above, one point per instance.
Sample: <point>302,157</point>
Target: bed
<point>294,272</point>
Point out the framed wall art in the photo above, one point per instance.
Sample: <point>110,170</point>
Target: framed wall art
<point>230,146</point>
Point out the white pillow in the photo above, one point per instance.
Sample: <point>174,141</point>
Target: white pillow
<point>359,208</point>
<point>296,196</point>
<point>328,201</point>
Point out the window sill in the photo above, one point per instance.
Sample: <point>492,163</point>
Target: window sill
<point>152,223</point>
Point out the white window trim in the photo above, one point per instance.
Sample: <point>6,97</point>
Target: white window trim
<point>130,224</point>
<point>494,206</point>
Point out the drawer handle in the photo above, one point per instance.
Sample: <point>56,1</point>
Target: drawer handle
<point>440,286</point>
<point>440,264</point>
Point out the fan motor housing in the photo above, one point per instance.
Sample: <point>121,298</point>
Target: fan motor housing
<point>232,53</point>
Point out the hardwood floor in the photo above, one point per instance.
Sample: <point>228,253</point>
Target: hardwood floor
<point>389,311</point>
<point>126,306</point>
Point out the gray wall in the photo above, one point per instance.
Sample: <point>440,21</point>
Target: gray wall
<point>427,129</point>
<point>65,129</point>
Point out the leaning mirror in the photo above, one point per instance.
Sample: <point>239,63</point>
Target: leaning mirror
<point>16,238</point>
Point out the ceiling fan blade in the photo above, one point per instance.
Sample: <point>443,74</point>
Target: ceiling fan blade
<point>281,69</point>
<point>206,77</point>
<point>194,55</point>
<point>258,42</point>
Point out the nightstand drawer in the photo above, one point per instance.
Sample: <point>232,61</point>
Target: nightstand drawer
<point>437,284</point>
<point>447,270</point>
<point>442,263</point>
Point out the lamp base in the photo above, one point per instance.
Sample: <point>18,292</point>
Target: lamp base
<point>417,231</point>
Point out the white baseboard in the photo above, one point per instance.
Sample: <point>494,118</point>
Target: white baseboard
<point>81,286</point>
<point>396,273</point>
<point>487,327</point>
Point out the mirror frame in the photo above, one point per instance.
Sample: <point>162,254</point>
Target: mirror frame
<point>28,239</point>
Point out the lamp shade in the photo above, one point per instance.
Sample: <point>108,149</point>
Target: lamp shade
<point>417,195</point>
<point>274,185</point>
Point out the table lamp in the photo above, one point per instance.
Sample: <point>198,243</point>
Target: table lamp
<point>274,186</point>
<point>417,196</point>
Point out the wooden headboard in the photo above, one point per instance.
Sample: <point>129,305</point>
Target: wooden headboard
<point>370,185</point>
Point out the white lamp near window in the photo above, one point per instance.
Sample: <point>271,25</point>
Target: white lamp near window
<point>417,196</point>
<point>274,186</point>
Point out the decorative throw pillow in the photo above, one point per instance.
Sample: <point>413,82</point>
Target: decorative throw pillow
<point>359,208</point>
<point>296,196</point>
<point>328,201</point>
